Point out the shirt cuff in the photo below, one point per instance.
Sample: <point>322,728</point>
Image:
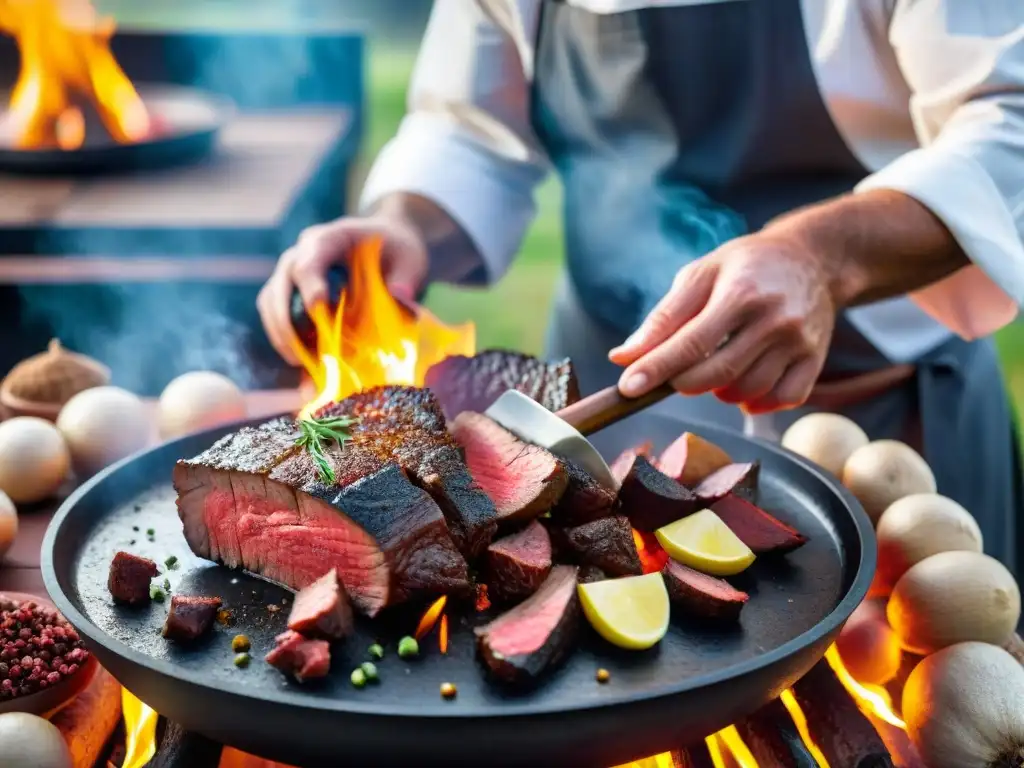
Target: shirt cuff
<point>489,196</point>
<point>982,298</point>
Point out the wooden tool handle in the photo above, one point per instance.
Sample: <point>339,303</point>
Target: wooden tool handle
<point>604,408</point>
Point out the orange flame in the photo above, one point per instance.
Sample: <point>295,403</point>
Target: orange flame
<point>371,339</point>
<point>66,62</point>
<point>800,721</point>
<point>872,699</point>
<point>433,613</point>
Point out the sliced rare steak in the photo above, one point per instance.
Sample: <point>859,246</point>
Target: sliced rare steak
<point>322,609</point>
<point>129,578</point>
<point>518,564</point>
<point>651,499</point>
<point>255,501</point>
<point>691,458</point>
<point>473,383</point>
<point>606,543</point>
<point>584,500</point>
<point>737,479</point>
<point>523,642</point>
<point>189,618</point>
<point>624,461</point>
<point>701,595</point>
<point>406,425</point>
<point>301,657</point>
<point>522,480</point>
<point>756,528</point>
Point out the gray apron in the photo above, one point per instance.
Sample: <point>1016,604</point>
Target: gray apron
<point>676,129</point>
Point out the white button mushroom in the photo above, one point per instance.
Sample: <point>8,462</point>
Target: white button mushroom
<point>33,459</point>
<point>27,741</point>
<point>8,524</point>
<point>199,400</point>
<point>103,425</point>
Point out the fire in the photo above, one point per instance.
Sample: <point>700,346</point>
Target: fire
<point>800,721</point>
<point>140,731</point>
<point>66,63</point>
<point>874,700</point>
<point>371,339</point>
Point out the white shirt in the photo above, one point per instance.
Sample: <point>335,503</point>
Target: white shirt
<point>928,94</point>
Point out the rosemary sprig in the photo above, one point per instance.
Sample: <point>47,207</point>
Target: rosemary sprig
<point>318,434</point>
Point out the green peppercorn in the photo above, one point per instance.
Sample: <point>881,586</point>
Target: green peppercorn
<point>376,651</point>
<point>408,648</point>
<point>369,670</point>
<point>155,593</point>
<point>242,660</point>
<point>150,532</point>
<point>239,643</point>
<point>171,562</point>
<point>167,584</point>
<point>358,677</point>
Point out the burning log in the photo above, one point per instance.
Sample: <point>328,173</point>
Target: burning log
<point>88,722</point>
<point>772,739</point>
<point>182,749</point>
<point>696,756</point>
<point>835,723</point>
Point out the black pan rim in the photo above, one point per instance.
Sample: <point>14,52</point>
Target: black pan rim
<point>856,593</point>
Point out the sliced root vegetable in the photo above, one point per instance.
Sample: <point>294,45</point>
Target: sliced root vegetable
<point>651,499</point>
<point>703,542</point>
<point>827,439</point>
<point>738,479</point>
<point>631,613</point>
<point>624,461</point>
<point>691,458</point>
<point>757,529</point>
<point>964,708</point>
<point>885,471</point>
<point>868,646</point>
<point>919,526</point>
<point>701,595</point>
<point>954,597</point>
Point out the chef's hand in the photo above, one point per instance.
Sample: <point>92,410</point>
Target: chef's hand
<point>305,265</point>
<point>751,322</point>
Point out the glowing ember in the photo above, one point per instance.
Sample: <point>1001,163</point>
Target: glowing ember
<point>66,63</point>
<point>652,556</point>
<point>442,634</point>
<point>430,618</point>
<point>800,721</point>
<point>870,698</point>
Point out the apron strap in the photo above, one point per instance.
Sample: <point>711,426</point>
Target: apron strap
<point>842,392</point>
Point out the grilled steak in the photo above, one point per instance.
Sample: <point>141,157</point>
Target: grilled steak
<point>518,564</point>
<point>522,480</point>
<point>651,499</point>
<point>691,458</point>
<point>590,573</point>
<point>702,595</point>
<point>520,644</point>
<point>625,460</point>
<point>474,383</point>
<point>190,617</point>
<point>254,500</point>
<point>584,500</point>
<point>606,543</point>
<point>738,479</point>
<point>406,425</point>
<point>300,657</point>
<point>756,528</point>
<point>322,609</point>
<point>129,578</point>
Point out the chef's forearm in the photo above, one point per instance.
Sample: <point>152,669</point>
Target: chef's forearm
<point>444,239</point>
<point>875,244</point>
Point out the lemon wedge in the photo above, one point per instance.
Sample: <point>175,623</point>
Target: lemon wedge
<point>703,542</point>
<point>630,613</point>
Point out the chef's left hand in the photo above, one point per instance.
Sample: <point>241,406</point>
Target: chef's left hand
<point>751,322</point>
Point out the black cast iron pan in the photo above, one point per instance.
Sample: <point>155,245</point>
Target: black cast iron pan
<point>698,680</point>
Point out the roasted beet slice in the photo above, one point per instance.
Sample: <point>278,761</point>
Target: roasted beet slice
<point>651,499</point>
<point>299,656</point>
<point>691,458</point>
<point>702,595</point>
<point>738,479</point>
<point>606,543</point>
<point>473,383</point>
<point>322,609</point>
<point>625,460</point>
<point>129,578</point>
<point>756,528</point>
<point>190,617</point>
<point>522,480</point>
<point>584,500</point>
<point>518,564</point>
<point>523,642</point>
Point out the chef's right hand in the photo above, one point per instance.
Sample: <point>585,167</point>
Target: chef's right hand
<point>305,265</point>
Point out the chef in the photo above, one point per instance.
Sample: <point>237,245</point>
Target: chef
<point>785,205</point>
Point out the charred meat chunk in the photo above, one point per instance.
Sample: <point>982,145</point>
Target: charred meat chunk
<point>590,573</point>
<point>301,657</point>
<point>190,617</point>
<point>536,634</point>
<point>322,609</point>
<point>756,528</point>
<point>129,578</point>
<point>523,481</point>
<point>518,564</point>
<point>607,544</point>
<point>651,499</point>
<point>701,595</point>
<point>474,383</point>
<point>738,479</point>
<point>584,500</point>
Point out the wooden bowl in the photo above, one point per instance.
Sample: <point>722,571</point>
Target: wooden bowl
<point>49,701</point>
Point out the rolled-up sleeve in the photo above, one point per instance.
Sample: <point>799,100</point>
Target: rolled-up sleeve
<point>964,63</point>
<point>466,142</point>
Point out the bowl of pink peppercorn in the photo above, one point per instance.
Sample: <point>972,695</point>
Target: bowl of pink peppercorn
<point>43,663</point>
